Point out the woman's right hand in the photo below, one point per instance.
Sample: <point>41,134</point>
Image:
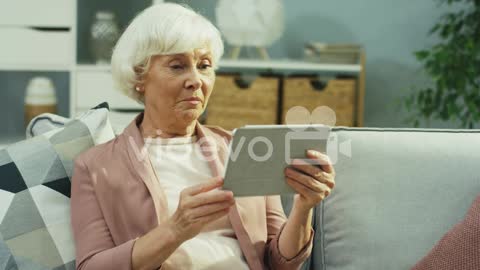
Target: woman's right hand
<point>198,206</point>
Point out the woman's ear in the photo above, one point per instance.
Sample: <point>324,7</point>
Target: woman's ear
<point>139,88</point>
<point>139,72</point>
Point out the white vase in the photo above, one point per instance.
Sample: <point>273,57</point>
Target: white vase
<point>40,98</point>
<point>104,33</point>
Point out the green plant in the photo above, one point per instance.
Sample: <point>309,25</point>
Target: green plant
<point>454,67</point>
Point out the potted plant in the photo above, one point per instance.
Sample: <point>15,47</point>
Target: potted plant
<point>454,68</point>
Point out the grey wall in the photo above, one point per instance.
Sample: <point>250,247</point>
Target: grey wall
<point>390,30</point>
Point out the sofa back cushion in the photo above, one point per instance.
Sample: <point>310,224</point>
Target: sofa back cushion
<point>35,178</point>
<point>395,197</point>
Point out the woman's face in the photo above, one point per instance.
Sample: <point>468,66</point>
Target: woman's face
<point>177,87</point>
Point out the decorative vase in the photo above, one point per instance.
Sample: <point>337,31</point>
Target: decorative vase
<point>40,98</point>
<point>254,23</point>
<point>104,33</point>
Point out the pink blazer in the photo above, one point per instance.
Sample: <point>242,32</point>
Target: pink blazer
<point>116,198</point>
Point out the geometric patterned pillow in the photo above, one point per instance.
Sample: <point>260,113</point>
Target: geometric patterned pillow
<point>44,123</point>
<point>35,175</point>
<point>48,121</point>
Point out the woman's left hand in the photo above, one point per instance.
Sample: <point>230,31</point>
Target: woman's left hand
<point>312,182</point>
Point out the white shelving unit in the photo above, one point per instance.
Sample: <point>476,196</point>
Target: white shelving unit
<point>94,68</point>
<point>35,67</point>
<point>38,37</point>
<point>42,37</point>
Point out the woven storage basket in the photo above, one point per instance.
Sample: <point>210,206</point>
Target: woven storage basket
<point>231,106</point>
<point>339,95</point>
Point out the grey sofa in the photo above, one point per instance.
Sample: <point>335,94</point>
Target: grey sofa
<point>397,193</point>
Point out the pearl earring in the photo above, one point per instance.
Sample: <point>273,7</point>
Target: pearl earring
<point>137,88</point>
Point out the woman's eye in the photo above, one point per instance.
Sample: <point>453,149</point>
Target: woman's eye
<point>205,66</point>
<point>177,67</point>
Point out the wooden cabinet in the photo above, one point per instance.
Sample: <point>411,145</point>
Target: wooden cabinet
<point>267,100</point>
<point>231,105</point>
<point>337,94</point>
<point>298,84</point>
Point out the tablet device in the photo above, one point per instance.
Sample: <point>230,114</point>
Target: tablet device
<point>259,154</point>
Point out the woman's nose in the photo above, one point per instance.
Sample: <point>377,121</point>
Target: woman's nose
<point>194,81</point>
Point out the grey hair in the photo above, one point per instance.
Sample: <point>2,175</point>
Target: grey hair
<point>160,29</point>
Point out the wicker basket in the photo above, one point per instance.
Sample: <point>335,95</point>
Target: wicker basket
<point>339,95</point>
<point>231,106</point>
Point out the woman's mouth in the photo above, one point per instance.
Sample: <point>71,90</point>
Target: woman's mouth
<point>193,100</point>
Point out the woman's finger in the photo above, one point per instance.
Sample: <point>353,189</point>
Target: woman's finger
<point>306,191</point>
<point>321,159</point>
<point>306,180</point>
<point>214,216</point>
<point>312,170</point>
<point>209,209</point>
<point>204,187</point>
<point>301,189</point>
<point>210,197</point>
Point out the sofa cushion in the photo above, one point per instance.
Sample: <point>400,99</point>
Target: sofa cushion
<point>395,197</point>
<point>35,189</point>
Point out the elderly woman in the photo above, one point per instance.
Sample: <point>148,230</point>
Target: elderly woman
<point>147,199</point>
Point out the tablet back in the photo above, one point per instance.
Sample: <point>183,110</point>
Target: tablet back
<point>259,155</point>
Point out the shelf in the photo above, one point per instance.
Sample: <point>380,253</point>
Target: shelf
<point>30,67</point>
<point>267,65</point>
<point>93,67</point>
<point>286,65</point>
